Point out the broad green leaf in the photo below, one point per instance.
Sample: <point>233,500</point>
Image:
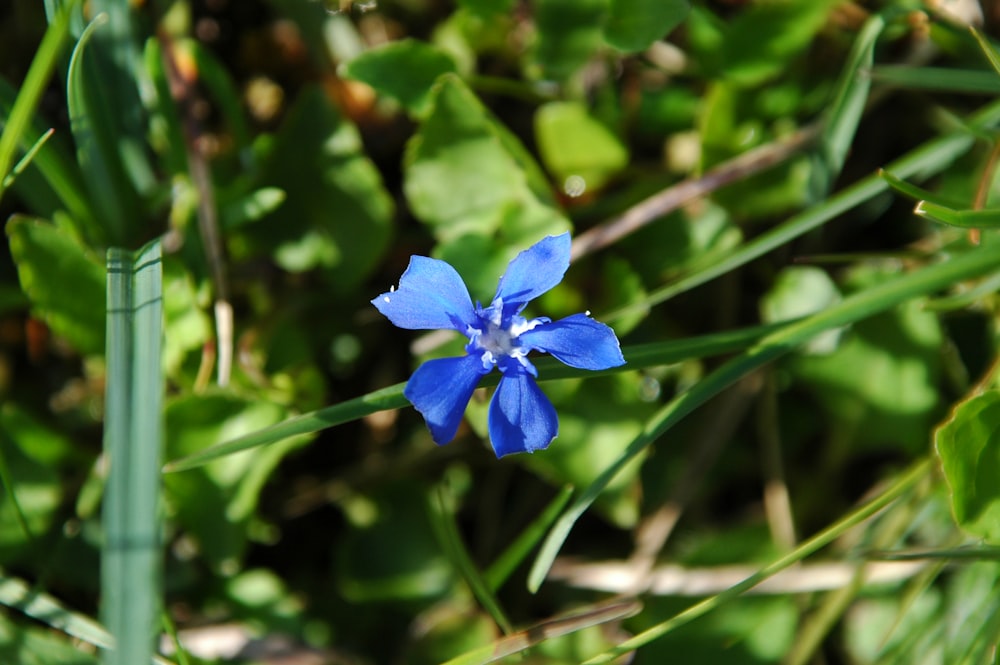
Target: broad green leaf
<point>187,326</point>
<point>633,25</point>
<point>574,143</point>
<point>216,503</point>
<point>371,565</point>
<point>63,280</point>
<point>27,506</point>
<point>337,214</point>
<point>472,182</point>
<point>765,38</point>
<point>251,207</point>
<point>404,70</point>
<point>569,33</point>
<point>968,445</point>
<point>799,291</point>
<point>131,583</point>
<point>881,386</point>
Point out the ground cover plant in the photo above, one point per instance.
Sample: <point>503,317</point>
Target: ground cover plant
<point>734,265</point>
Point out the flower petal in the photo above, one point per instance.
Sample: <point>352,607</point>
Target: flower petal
<point>440,389</point>
<point>578,341</point>
<point>431,295</point>
<point>521,419</point>
<point>533,272</point>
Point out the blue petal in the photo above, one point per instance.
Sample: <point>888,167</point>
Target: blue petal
<point>533,272</point>
<point>440,389</point>
<point>431,295</point>
<point>578,341</point>
<point>522,419</point>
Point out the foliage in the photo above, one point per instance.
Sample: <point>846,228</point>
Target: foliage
<point>786,210</point>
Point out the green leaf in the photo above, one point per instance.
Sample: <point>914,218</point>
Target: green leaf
<point>476,186</point>
<point>337,214</point>
<point>17,594</point>
<point>762,41</point>
<point>130,562</point>
<point>251,207</point>
<point>916,193</point>
<point>371,566</point>
<point>487,8</point>
<point>216,503</point>
<point>634,25</point>
<point>404,70</point>
<point>64,282</point>
<point>573,143</point>
<point>799,291</point>
<point>569,33</point>
<point>968,445</point>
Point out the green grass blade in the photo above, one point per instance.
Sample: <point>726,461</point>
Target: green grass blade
<point>854,308</point>
<point>929,159</point>
<point>31,90</point>
<point>991,53</point>
<point>637,357</point>
<point>965,219</point>
<point>902,485</point>
<point>517,551</point>
<point>133,432</point>
<point>443,522</point>
<point>939,79</point>
<point>916,193</point>
<point>844,114</point>
<point>18,594</point>
<point>25,160</point>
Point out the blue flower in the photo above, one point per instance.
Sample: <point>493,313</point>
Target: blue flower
<point>431,295</point>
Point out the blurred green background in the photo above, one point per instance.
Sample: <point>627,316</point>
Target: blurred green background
<point>717,162</point>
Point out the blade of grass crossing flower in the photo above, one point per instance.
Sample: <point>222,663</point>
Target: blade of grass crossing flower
<point>517,551</point>
<point>443,520</point>
<point>130,569</point>
<point>854,308</point>
<point>929,159</point>
<point>900,487</point>
<point>42,65</point>
<point>841,121</point>
<point>391,397</point>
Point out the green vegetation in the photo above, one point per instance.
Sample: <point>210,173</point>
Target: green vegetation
<point>788,211</point>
